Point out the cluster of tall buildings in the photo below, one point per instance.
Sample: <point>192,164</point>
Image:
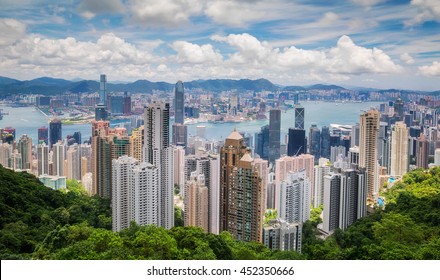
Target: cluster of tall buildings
<point>230,185</point>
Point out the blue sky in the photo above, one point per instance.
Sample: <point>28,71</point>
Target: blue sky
<point>368,43</point>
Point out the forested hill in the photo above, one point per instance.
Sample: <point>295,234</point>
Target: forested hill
<point>39,223</point>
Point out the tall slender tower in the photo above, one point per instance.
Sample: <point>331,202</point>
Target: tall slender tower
<point>196,202</point>
<point>179,103</point>
<point>55,131</point>
<point>399,149</point>
<point>43,159</point>
<point>59,155</point>
<point>230,154</point>
<point>246,201</point>
<point>103,90</point>
<point>274,135</point>
<point>157,151</point>
<point>368,134</point>
<point>299,116</point>
<point>25,149</point>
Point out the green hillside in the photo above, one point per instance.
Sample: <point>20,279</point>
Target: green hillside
<point>39,223</point>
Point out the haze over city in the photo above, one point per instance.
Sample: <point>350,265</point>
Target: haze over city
<point>365,43</point>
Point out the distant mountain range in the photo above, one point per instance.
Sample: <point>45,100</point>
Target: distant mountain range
<point>52,86</point>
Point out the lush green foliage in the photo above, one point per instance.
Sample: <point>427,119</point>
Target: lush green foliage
<point>40,223</point>
<point>408,227</point>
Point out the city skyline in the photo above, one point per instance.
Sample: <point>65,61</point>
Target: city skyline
<point>366,43</point>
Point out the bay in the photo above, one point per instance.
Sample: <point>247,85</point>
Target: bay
<point>27,120</point>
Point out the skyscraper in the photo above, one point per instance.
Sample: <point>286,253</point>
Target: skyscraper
<point>196,202</point>
<point>25,149</point>
<point>122,198</point>
<point>295,197</point>
<point>55,131</point>
<point>368,134</point>
<point>103,90</point>
<point>299,116</point>
<point>180,135</point>
<point>230,154</point>
<point>43,135</point>
<point>262,142</point>
<point>321,170</point>
<point>399,149</point>
<point>283,236</point>
<point>179,103</point>
<point>137,143</point>
<point>245,201</point>
<point>274,134</point>
<point>43,159</point>
<point>315,141</point>
<point>325,142</point>
<point>157,151</point>
<point>422,152</point>
<point>59,155</point>
<point>297,142</point>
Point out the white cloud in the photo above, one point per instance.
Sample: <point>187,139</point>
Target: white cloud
<point>431,70</point>
<point>164,12</point>
<point>11,30</point>
<point>348,58</point>
<point>427,10</point>
<point>408,59</point>
<point>90,8</point>
<point>192,53</point>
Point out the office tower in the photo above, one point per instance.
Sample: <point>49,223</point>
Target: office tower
<point>422,152</point>
<point>355,135</point>
<point>43,135</point>
<point>122,198</point>
<point>262,142</point>
<point>157,151</point>
<point>230,154</point>
<point>297,142</point>
<point>274,134</point>
<point>179,103</point>
<point>196,202</point>
<point>137,143</point>
<point>398,108</point>
<point>180,135</point>
<point>43,159</point>
<point>283,236</point>
<point>25,149</point>
<point>321,170</point>
<point>115,104</point>
<point>59,155</point>
<point>315,141</point>
<point>383,143</point>
<point>101,113</point>
<point>337,152</point>
<point>127,104</point>
<point>77,137</point>
<point>103,90</point>
<point>245,207</point>
<point>345,194</point>
<point>295,198</point>
<point>325,142</point>
<point>437,157</point>
<point>73,163</point>
<point>299,116</point>
<point>399,149</point>
<point>179,169</point>
<point>368,133</point>
<point>55,131</point>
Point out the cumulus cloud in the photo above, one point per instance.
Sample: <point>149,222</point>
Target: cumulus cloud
<point>432,70</point>
<point>408,59</point>
<point>90,8</point>
<point>164,12</point>
<point>427,10</point>
<point>192,53</point>
<point>348,58</point>
<point>11,30</point>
